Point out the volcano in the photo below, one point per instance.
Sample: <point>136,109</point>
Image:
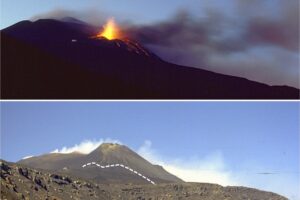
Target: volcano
<point>62,59</point>
<point>109,163</point>
<point>92,176</point>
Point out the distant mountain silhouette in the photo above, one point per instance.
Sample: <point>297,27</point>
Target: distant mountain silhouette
<point>52,59</point>
<point>105,154</point>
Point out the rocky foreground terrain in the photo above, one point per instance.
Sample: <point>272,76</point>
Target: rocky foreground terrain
<point>20,182</point>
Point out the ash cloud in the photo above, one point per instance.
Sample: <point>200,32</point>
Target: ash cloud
<point>219,33</point>
<point>258,40</point>
<point>251,42</point>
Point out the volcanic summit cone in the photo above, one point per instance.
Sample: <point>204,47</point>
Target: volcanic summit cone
<point>105,155</point>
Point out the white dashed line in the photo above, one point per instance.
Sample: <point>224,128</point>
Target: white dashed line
<point>119,165</point>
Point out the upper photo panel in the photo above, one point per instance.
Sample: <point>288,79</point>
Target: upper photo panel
<point>133,49</point>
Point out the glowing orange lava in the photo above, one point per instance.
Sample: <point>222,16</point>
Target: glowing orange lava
<point>111,30</point>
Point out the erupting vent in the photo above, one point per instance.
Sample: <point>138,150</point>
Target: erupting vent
<point>110,31</point>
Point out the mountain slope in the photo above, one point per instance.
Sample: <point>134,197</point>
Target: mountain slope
<point>105,154</point>
<point>21,182</point>
<point>62,59</point>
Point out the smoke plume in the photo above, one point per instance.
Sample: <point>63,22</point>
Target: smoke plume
<point>256,40</point>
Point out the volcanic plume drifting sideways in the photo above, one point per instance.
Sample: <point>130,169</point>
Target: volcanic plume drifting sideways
<point>256,40</point>
<point>259,46</point>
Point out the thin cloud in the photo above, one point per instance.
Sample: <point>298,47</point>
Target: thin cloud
<point>26,157</point>
<point>210,169</point>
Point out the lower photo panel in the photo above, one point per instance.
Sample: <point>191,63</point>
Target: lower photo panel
<point>150,150</point>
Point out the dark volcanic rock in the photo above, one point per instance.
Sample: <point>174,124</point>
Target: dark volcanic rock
<point>26,183</point>
<point>44,185</point>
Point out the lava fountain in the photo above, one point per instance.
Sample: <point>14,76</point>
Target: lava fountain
<point>110,31</point>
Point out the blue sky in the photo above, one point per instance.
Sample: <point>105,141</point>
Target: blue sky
<point>240,139</point>
<point>261,131</point>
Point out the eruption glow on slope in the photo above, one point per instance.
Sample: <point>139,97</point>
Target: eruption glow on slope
<point>111,30</point>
